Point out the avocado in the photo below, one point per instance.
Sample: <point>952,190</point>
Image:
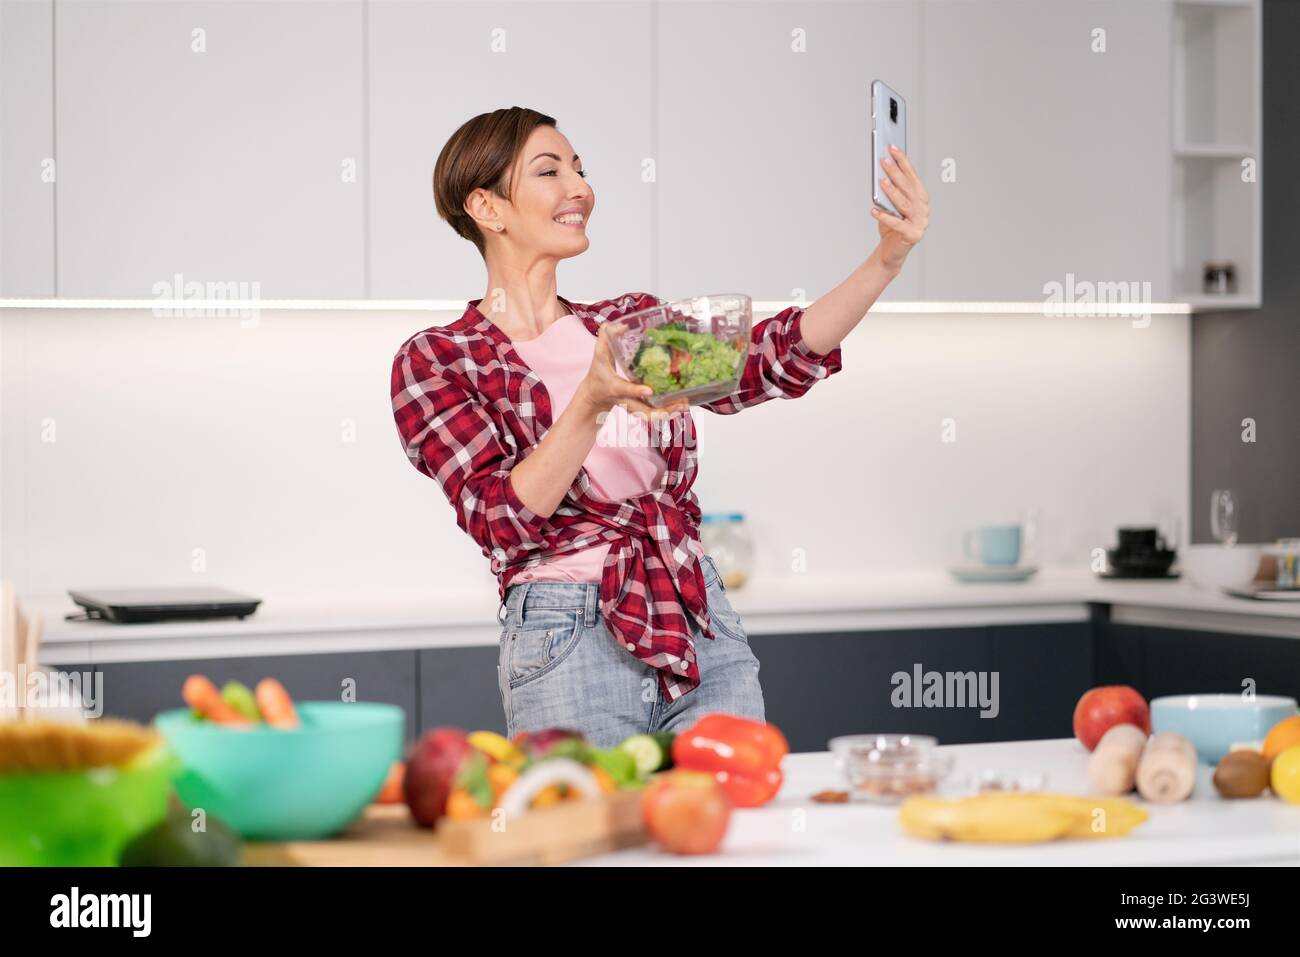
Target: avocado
<point>175,843</point>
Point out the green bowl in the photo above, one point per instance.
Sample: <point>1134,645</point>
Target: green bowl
<point>82,818</point>
<point>274,784</point>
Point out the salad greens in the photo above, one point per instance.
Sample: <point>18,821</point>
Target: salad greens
<point>671,358</point>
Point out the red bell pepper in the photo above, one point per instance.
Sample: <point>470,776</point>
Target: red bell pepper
<point>744,755</point>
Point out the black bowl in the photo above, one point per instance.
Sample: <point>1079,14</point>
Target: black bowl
<point>1141,564</point>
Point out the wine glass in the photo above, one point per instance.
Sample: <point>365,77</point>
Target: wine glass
<point>1223,516</point>
<point>1031,526</point>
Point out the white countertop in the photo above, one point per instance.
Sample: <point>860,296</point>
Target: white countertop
<point>794,604</point>
<point>794,830</point>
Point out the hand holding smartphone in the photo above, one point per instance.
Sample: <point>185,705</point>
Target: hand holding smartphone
<point>888,127</point>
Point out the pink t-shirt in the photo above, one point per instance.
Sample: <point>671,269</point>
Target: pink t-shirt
<point>561,356</point>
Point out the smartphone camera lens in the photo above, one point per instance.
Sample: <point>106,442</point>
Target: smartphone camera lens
<point>893,110</point>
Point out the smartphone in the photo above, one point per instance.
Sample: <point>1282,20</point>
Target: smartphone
<point>888,126</point>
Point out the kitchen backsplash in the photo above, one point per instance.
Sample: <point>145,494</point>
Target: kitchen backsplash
<point>145,450</point>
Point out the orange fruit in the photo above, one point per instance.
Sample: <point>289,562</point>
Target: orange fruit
<point>548,796</point>
<point>501,776</point>
<point>604,779</point>
<point>461,806</point>
<point>1285,734</point>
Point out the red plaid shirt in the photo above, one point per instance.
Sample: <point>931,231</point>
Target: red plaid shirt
<point>469,410</point>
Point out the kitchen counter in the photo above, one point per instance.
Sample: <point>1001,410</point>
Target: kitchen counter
<point>306,624</point>
<point>794,830</point>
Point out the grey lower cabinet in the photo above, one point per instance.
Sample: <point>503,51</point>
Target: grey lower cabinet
<point>1027,679</point>
<point>1171,661</point>
<point>140,689</point>
<point>458,688</point>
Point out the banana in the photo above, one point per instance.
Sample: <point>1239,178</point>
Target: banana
<point>1014,818</point>
<point>1104,816</point>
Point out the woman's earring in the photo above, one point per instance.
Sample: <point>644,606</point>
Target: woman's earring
<point>499,227</point>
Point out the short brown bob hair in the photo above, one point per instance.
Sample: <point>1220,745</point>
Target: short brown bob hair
<point>481,155</point>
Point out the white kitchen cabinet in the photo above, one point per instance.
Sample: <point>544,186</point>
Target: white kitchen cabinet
<point>763,143</point>
<point>434,66</point>
<point>1058,155</point>
<point>241,164</point>
<point>26,150</point>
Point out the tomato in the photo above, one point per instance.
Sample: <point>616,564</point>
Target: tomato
<point>679,358</point>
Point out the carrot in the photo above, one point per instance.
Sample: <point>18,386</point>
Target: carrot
<point>391,792</point>
<point>202,695</point>
<point>275,704</point>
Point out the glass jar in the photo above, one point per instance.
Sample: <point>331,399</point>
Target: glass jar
<point>1219,278</point>
<point>1287,552</point>
<point>726,538</point>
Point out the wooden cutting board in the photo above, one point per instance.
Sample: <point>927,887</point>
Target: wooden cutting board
<point>386,836</point>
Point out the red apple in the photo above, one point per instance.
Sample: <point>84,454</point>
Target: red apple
<point>1101,709</point>
<point>686,812</point>
<point>431,770</point>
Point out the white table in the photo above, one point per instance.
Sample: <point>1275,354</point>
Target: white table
<point>794,830</point>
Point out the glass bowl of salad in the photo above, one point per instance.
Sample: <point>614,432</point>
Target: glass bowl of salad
<point>685,348</point>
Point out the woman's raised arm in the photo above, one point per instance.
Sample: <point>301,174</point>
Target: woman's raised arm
<point>832,317</point>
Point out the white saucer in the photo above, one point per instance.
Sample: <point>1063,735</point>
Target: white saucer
<point>1265,592</point>
<point>992,573</point>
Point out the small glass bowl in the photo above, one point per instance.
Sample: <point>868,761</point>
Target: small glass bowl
<point>991,779</point>
<point>886,768</point>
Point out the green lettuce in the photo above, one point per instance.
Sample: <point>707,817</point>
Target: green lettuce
<point>706,360</point>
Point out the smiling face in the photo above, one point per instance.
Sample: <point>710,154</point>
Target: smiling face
<point>552,201</point>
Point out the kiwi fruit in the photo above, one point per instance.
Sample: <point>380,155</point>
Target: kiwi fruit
<point>1241,774</point>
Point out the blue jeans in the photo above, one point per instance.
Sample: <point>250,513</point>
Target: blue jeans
<point>560,667</point>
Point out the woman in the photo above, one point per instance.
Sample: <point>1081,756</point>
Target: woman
<point>614,620</point>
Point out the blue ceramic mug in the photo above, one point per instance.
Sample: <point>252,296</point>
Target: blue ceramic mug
<point>993,544</point>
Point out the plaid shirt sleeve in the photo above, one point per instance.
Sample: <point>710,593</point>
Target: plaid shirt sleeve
<point>449,436</point>
<point>779,364</point>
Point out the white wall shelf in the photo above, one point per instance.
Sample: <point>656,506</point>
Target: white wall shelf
<point>1216,209</point>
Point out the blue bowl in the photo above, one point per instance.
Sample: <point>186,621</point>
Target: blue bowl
<point>1215,722</point>
<point>274,784</point>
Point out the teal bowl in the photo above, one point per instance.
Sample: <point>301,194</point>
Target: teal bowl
<point>1215,722</point>
<point>282,785</point>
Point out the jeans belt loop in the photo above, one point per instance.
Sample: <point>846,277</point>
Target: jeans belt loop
<point>589,612</point>
<point>519,602</point>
